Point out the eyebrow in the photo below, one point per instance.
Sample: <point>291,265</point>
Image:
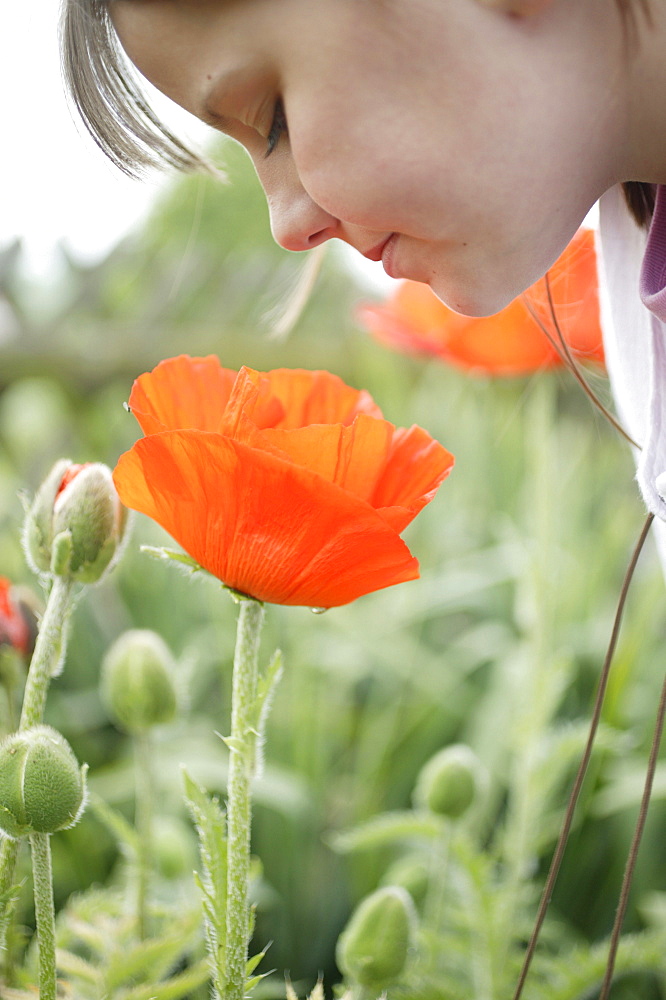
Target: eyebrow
<point>233,81</point>
<point>217,121</point>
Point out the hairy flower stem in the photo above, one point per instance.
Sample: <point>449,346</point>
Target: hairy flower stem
<point>239,810</point>
<point>44,913</point>
<point>49,650</point>
<point>143,821</point>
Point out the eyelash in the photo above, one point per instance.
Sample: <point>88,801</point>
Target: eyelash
<point>278,127</point>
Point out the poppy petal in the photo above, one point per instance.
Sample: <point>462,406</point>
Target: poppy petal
<point>415,467</point>
<point>266,527</point>
<point>318,397</point>
<point>352,456</point>
<point>251,406</point>
<point>182,392</point>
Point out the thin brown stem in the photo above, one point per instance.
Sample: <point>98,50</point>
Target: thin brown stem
<point>635,844</point>
<point>560,345</point>
<point>587,753</point>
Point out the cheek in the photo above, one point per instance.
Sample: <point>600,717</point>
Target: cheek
<point>354,185</point>
<point>372,189</point>
<point>356,164</point>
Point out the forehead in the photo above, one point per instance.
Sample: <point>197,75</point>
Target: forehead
<point>174,43</point>
<point>190,49</point>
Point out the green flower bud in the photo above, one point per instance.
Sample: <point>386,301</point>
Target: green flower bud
<point>42,787</point>
<point>449,781</point>
<point>137,684</point>
<point>372,949</point>
<point>76,522</point>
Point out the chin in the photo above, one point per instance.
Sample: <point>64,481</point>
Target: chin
<point>473,300</point>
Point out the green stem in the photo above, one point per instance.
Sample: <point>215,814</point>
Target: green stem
<point>44,913</point>
<point>239,810</point>
<point>48,652</point>
<point>143,820</point>
<point>438,888</point>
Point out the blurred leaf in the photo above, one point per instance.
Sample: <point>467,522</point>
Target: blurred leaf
<point>387,829</point>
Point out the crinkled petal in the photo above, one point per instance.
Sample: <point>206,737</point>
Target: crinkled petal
<point>264,526</point>
<point>352,456</point>
<point>251,406</point>
<point>395,470</point>
<point>182,392</point>
<point>318,397</point>
<point>415,467</point>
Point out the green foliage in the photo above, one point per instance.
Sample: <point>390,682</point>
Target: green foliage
<point>210,823</point>
<point>98,954</point>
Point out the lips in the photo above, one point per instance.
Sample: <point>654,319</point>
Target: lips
<point>384,251</point>
<point>375,253</point>
<point>388,253</point>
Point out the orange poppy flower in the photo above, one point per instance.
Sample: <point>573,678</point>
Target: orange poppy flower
<point>511,342</point>
<point>288,485</point>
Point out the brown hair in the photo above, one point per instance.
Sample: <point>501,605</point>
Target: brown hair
<point>106,93</point>
<point>108,97</point>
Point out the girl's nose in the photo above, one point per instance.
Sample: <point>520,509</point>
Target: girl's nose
<point>297,222</point>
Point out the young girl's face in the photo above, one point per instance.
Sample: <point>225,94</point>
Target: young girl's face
<point>461,145</point>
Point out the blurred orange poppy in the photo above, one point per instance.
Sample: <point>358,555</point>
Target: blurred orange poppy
<point>288,485</point>
<point>510,342</point>
<point>17,622</point>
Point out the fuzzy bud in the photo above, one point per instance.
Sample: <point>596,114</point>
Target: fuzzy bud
<point>76,522</point>
<point>373,948</point>
<point>448,783</point>
<point>137,684</point>
<point>42,787</point>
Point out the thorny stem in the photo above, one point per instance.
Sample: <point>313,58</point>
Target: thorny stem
<point>635,844</point>
<point>562,348</point>
<point>587,753</point>
<point>44,913</point>
<point>239,808</point>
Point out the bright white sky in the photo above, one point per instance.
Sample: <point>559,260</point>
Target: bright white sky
<point>54,182</point>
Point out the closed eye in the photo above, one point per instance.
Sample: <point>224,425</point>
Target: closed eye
<point>278,127</point>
